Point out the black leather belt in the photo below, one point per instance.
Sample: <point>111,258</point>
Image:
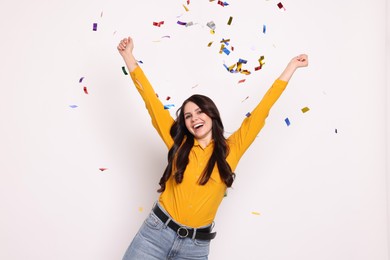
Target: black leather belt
<point>182,231</point>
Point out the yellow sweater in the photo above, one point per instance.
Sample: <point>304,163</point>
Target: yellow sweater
<point>189,203</point>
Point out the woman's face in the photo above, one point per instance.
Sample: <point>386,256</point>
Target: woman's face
<point>197,122</point>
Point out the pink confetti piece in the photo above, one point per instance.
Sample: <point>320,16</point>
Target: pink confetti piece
<point>85,90</point>
<point>103,169</point>
<point>188,2</point>
<point>241,81</point>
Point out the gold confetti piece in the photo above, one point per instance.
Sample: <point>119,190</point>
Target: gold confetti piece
<point>140,209</point>
<point>210,43</point>
<point>256,213</point>
<point>185,8</point>
<point>230,20</point>
<point>261,60</point>
<point>305,109</point>
<point>212,31</point>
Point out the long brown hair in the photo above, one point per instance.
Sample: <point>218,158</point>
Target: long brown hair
<point>184,141</point>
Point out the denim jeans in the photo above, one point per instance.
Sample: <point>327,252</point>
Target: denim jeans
<point>156,241</point>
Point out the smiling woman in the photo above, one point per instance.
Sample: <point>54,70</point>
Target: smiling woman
<point>201,164</point>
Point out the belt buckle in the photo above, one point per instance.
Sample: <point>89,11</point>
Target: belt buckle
<point>179,233</point>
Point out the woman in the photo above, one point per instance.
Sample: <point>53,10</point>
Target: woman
<point>201,164</point>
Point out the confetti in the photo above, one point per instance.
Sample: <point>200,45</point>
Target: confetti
<point>248,114</point>
<point>168,98</point>
<point>287,121</point>
<point>168,106</point>
<point>85,90</point>
<point>189,24</point>
<point>241,81</point>
<point>124,70</point>
<point>245,99</point>
<point>264,28</point>
<point>305,109</point>
<point>226,51</point>
<point>210,43</point>
<point>140,61</point>
<point>211,25</point>
<point>181,23</point>
<point>195,86</point>
<point>103,169</point>
<point>230,20</point>
<point>73,106</point>
<point>185,8</point>
<point>140,209</point>
<point>158,24</point>
<point>166,36</point>
<point>81,79</point>
<point>281,7</point>
<point>188,2</point>
<point>261,60</point>
<point>94,27</point>
<point>256,213</point>
<point>335,130</point>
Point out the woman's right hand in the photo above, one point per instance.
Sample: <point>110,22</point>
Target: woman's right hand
<point>126,46</point>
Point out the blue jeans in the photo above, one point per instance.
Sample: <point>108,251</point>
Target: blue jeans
<point>156,241</point>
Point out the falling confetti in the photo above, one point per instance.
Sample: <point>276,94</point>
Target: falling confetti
<point>245,99</point>
<point>230,20</point>
<point>181,23</point>
<point>210,43</point>
<point>158,24</point>
<point>264,28</point>
<point>226,51</point>
<point>305,109</point>
<point>103,169</point>
<point>73,106</point>
<point>81,79</point>
<point>85,90</point>
<point>140,209</point>
<point>168,98</point>
<point>124,70</point>
<point>168,106</point>
<point>256,213</point>
<point>241,81</point>
<point>281,7</point>
<point>287,121</point>
<point>335,130</point>
<point>248,114</point>
<point>94,27</point>
<point>211,25</point>
<point>189,24</point>
<point>185,8</point>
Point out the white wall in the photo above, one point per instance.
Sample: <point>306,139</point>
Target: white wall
<point>320,195</point>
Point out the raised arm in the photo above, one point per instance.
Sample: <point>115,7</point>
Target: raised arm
<point>161,118</point>
<point>240,140</point>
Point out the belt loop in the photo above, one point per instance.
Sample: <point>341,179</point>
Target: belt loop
<point>194,234</point>
<point>166,222</point>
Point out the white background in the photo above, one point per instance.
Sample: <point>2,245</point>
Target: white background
<point>320,194</point>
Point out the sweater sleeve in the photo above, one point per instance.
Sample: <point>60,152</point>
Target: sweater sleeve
<point>241,139</point>
<point>161,118</point>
